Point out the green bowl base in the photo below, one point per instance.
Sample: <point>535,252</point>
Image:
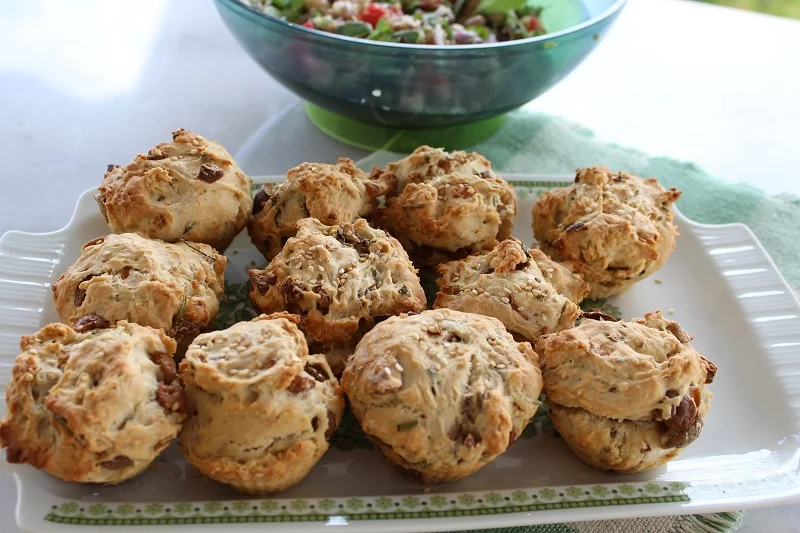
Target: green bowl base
<point>373,137</point>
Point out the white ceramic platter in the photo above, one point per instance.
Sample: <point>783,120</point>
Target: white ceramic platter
<point>719,284</point>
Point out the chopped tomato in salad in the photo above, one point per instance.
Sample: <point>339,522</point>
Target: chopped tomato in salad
<point>533,24</point>
<point>375,11</point>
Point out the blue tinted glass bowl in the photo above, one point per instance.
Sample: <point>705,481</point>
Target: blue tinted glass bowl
<point>421,86</point>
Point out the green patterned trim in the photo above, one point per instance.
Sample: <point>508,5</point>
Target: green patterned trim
<point>538,184</point>
<point>372,508</point>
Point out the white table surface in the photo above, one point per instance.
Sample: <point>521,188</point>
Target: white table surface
<point>91,82</point>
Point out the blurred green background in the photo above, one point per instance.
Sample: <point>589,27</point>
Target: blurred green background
<point>784,8</point>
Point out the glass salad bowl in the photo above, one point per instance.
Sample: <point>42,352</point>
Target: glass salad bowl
<point>397,85</point>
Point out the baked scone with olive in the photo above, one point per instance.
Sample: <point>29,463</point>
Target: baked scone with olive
<point>261,409</point>
<point>188,189</point>
<point>96,406</point>
<point>175,287</point>
<point>446,205</point>
<point>426,163</point>
<point>625,396</point>
<point>340,280</point>
<point>330,193</point>
<point>529,293</point>
<point>612,229</point>
<point>442,393</point>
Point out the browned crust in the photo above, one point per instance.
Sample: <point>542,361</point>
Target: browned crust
<point>614,229</point>
<point>446,205</point>
<point>189,189</point>
<point>261,408</point>
<point>174,287</point>
<point>510,284</point>
<point>330,193</point>
<point>372,279</point>
<point>443,392</point>
<point>58,423</point>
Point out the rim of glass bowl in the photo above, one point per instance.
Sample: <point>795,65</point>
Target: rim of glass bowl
<point>266,19</point>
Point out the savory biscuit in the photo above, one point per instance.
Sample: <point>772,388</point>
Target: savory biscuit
<point>188,189</point>
<point>96,406</point>
<point>261,409</point>
<point>625,396</point>
<point>612,229</point>
<point>175,287</point>
<point>522,288</point>
<point>330,193</point>
<point>442,393</point>
<point>447,205</point>
<point>340,279</point>
<point>426,163</point>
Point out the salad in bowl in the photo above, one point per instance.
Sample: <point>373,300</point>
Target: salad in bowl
<point>417,64</point>
<point>432,22</point>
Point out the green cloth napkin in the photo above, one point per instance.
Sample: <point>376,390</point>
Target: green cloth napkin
<point>536,143</point>
<point>542,144</point>
<point>711,523</point>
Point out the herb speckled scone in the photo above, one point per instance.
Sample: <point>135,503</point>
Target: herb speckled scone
<point>446,205</point>
<point>93,407</point>
<point>612,229</point>
<point>175,287</point>
<point>330,193</point>
<point>625,396</point>
<point>261,409</point>
<point>442,393</point>
<point>188,189</point>
<point>340,279</point>
<point>425,163</point>
<point>525,290</point>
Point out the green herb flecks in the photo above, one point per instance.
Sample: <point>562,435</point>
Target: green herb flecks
<point>182,308</point>
<point>273,11</point>
<point>530,7</point>
<point>198,251</point>
<point>406,426</point>
<point>286,9</point>
<point>482,32</point>
<point>382,31</point>
<point>448,30</point>
<point>407,36</point>
<point>498,7</point>
<point>354,29</point>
